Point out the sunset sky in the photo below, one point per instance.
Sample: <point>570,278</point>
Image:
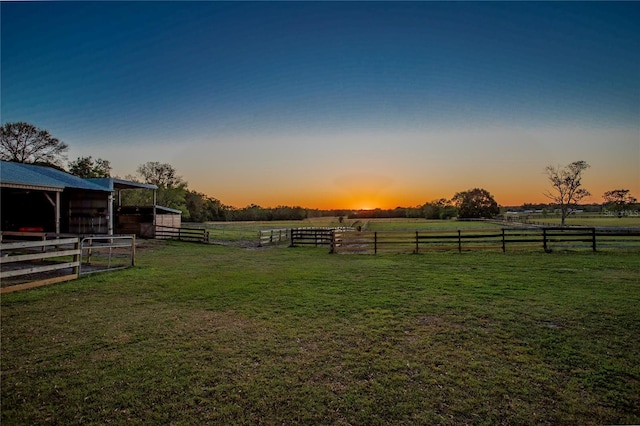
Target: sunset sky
<point>332,104</point>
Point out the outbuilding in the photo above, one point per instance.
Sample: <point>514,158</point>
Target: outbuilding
<point>44,199</point>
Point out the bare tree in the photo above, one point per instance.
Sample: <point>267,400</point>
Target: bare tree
<point>566,183</point>
<point>24,143</point>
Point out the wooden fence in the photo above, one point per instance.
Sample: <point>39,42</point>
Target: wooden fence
<point>182,234</point>
<point>273,236</point>
<point>506,239</point>
<point>314,236</point>
<point>29,264</point>
<point>39,262</point>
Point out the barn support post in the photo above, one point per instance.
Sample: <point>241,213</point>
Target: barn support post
<point>154,208</point>
<point>110,213</point>
<point>56,208</point>
<point>57,213</point>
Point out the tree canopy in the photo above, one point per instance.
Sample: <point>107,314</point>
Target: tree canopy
<point>25,143</point>
<point>619,199</point>
<point>475,203</point>
<point>163,175</point>
<point>172,190</point>
<point>87,167</point>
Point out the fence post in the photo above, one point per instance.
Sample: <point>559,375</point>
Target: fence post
<point>417,248</point>
<point>333,241</point>
<point>76,258</point>
<point>544,239</point>
<point>293,238</point>
<point>459,242</point>
<point>593,237</point>
<point>375,242</point>
<point>133,250</point>
<point>504,246</point>
<point>89,252</point>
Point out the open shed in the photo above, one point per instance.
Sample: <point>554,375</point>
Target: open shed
<point>44,199</point>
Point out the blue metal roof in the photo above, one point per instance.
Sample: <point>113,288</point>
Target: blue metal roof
<point>115,183</point>
<point>30,175</point>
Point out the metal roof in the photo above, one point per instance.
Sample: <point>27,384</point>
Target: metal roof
<point>167,210</point>
<point>115,183</point>
<point>28,176</point>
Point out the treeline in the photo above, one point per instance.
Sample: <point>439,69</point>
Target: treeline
<point>202,208</point>
<point>24,143</point>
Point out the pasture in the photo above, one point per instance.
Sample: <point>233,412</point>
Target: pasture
<point>248,231</point>
<point>223,335</point>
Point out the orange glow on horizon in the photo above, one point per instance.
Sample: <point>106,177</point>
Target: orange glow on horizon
<point>368,201</point>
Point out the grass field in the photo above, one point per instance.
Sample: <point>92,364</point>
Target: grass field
<point>248,231</point>
<point>221,335</point>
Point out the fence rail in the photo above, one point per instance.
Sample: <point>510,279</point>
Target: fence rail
<point>182,234</point>
<point>273,236</point>
<point>106,253</point>
<point>39,259</point>
<point>314,236</point>
<point>547,239</point>
<point>29,264</point>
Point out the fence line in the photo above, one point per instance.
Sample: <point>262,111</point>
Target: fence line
<point>182,234</point>
<point>314,236</point>
<point>547,239</point>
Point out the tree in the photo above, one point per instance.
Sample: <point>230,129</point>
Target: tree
<point>619,199</point>
<point>566,183</point>
<point>162,175</point>
<point>475,203</point>
<point>203,208</point>
<point>439,209</point>
<point>24,143</point>
<point>86,167</point>
<point>172,190</point>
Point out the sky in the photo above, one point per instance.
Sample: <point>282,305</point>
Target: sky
<point>335,104</point>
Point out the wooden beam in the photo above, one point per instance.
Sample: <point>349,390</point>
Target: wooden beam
<point>40,283</point>
<point>28,244</point>
<point>38,256</point>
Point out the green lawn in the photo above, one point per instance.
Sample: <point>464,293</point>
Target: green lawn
<point>209,334</point>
